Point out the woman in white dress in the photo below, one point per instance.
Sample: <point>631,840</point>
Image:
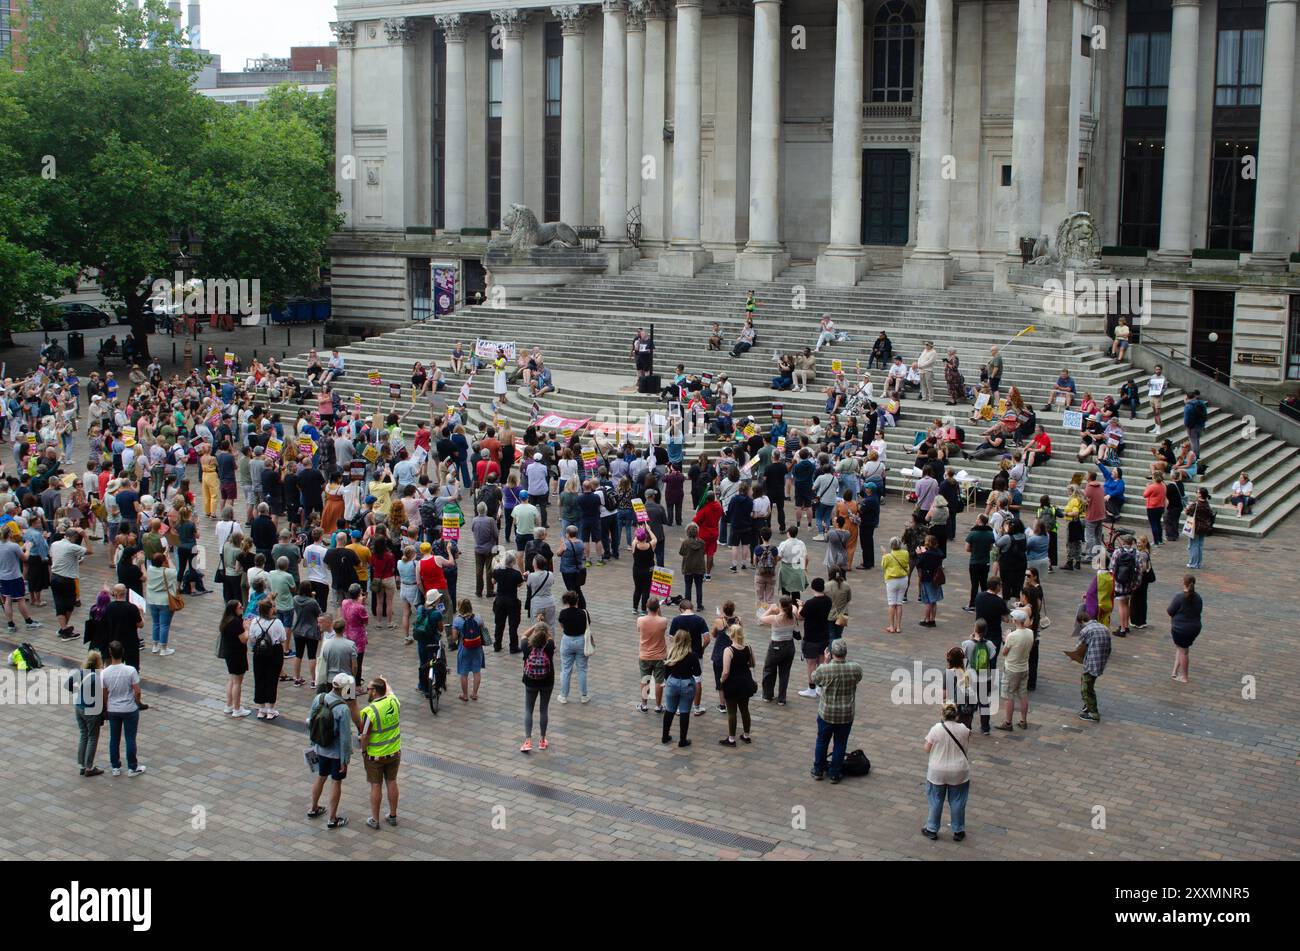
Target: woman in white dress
<point>499,377</point>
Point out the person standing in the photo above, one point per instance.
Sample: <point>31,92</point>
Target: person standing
<point>838,684</point>
<point>573,560</point>
<point>381,748</point>
<point>693,564</point>
<point>267,635</point>
<point>332,745</point>
<point>1199,523</point>
<point>780,617</point>
<point>815,612</point>
<point>469,653</point>
<point>682,667</point>
<point>234,651</point>
<point>1094,496</point>
<point>87,688</point>
<point>1154,497</point>
<point>869,515</point>
<point>1184,625</point>
<point>736,680</point>
<point>123,704</point>
<point>12,558</point>
<point>895,563</point>
<point>1094,638</point>
<point>947,774</point>
<point>652,650</point>
<point>925,366</point>
<point>1195,414</point>
<point>160,586</point>
<point>539,681</point>
<point>573,621</point>
<point>66,556</point>
<point>1015,671</point>
<point>979,542</point>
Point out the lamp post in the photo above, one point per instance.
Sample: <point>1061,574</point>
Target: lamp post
<point>185,248</point>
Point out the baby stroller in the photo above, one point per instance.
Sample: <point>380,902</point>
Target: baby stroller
<point>437,676</point>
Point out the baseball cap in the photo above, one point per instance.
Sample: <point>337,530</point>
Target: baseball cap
<point>356,533</point>
<point>523,493</point>
<point>537,457</point>
<point>1021,616</point>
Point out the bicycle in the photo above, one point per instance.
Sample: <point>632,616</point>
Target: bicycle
<point>437,681</point>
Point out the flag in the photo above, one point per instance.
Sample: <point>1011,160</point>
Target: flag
<point>649,432</point>
<point>1028,330</point>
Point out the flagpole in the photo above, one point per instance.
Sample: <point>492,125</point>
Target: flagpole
<point>1028,330</point>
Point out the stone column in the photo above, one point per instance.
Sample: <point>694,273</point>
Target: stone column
<point>401,200</point>
<point>573,26</point>
<point>844,261</point>
<point>455,155</point>
<point>764,256</point>
<point>930,265</point>
<point>1274,237</point>
<point>613,134</point>
<point>686,255</point>
<point>511,24</point>
<point>635,97</point>
<point>1180,136</point>
<point>1028,123</point>
<point>654,234</point>
<point>345,163</point>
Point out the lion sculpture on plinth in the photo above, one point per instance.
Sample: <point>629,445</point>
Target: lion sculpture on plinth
<point>1077,244</point>
<point>527,233</point>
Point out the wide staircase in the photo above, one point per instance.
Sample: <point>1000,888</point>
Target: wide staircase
<point>585,332</point>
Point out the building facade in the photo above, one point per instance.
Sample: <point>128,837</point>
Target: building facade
<point>926,135</point>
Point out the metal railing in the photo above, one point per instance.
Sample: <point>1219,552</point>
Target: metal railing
<point>1201,367</point>
<point>590,236</point>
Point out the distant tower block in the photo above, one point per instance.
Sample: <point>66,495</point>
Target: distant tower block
<point>195,41</point>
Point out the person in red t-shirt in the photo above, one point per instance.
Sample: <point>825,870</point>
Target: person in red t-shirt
<point>486,468</point>
<point>422,437</point>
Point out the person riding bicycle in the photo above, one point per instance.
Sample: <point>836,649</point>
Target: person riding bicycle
<point>427,631</point>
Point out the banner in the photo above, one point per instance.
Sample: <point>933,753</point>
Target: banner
<point>661,582</point>
<point>444,289</point>
<point>639,508</point>
<point>274,448</point>
<point>487,349</point>
<point>462,398</point>
<point>214,420</point>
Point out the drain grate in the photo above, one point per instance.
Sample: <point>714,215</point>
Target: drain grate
<point>589,803</point>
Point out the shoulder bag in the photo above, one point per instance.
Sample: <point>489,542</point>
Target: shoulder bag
<point>588,639</point>
<point>954,739</point>
<point>174,601</point>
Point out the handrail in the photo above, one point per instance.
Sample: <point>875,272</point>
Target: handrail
<point>1175,353</point>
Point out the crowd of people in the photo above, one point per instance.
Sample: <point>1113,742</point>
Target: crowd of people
<point>323,527</point>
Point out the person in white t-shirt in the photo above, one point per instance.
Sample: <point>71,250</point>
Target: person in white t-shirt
<point>1155,391</point>
<point>123,705</point>
<point>947,773</point>
<point>313,559</point>
<point>1242,494</point>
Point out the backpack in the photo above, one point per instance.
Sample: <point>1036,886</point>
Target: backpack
<point>471,633</point>
<point>322,729</point>
<point>26,657</point>
<point>262,644</point>
<point>856,764</point>
<point>428,513</point>
<point>1126,568</point>
<point>766,563</point>
<point>537,666</point>
<point>981,661</point>
<point>490,495</point>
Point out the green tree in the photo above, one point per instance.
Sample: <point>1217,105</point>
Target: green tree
<point>107,94</point>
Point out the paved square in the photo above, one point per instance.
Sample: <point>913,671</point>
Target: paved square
<point>1192,772</point>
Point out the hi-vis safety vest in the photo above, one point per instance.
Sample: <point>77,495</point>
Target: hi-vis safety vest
<point>385,736</point>
<point>17,659</point>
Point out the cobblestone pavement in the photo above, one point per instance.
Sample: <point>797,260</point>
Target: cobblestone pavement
<point>1191,772</point>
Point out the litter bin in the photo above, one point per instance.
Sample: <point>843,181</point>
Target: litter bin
<point>76,345</point>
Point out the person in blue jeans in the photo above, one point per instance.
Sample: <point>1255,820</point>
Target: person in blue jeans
<point>837,687</point>
<point>573,625</point>
<point>948,774</point>
<point>681,667</point>
<point>122,704</point>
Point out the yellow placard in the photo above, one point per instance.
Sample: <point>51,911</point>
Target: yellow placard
<point>371,453</point>
<point>639,508</point>
<point>837,366</point>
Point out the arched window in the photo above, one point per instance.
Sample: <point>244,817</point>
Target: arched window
<point>893,52</point>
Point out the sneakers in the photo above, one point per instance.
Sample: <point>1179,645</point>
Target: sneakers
<point>167,652</point>
<point>563,699</point>
<point>240,713</point>
<point>93,771</point>
<point>228,709</point>
<point>810,692</point>
<point>117,771</point>
<point>734,569</point>
<point>584,699</point>
<point>152,650</point>
<point>138,771</point>
<point>543,745</point>
<point>819,538</point>
<point>527,746</point>
<point>698,710</point>
<point>32,622</point>
<point>722,708</point>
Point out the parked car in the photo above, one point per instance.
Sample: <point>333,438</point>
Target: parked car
<point>76,316</point>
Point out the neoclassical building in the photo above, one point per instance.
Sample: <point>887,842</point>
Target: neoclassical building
<point>931,135</point>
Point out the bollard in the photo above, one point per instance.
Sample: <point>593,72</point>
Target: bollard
<point>287,342</point>
<point>264,335</point>
<point>313,338</point>
<point>173,353</point>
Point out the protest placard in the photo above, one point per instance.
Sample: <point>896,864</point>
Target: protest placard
<point>639,508</point>
<point>274,447</point>
<point>661,582</point>
<point>1072,419</point>
<point>374,377</point>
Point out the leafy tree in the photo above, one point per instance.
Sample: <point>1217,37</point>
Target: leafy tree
<point>108,102</point>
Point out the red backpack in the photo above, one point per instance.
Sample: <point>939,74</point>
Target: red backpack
<point>537,665</point>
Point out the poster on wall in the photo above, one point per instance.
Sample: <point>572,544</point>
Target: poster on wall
<point>444,288</point>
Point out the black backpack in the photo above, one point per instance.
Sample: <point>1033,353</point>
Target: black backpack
<point>856,764</point>
<point>262,644</point>
<point>322,728</point>
<point>1126,568</point>
<point>30,655</point>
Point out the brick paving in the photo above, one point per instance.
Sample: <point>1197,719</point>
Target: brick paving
<point>1182,772</point>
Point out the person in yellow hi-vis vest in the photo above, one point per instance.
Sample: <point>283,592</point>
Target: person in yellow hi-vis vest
<point>381,748</point>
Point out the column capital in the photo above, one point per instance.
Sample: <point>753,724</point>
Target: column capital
<point>613,6</point>
<point>635,22</point>
<point>401,29</point>
<point>454,26</point>
<point>572,17</point>
<point>345,33</point>
<point>688,3</point>
<point>733,7</point>
<point>1190,3</point>
<point>651,9</point>
<point>513,22</point>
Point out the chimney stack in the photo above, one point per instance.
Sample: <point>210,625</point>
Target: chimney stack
<point>195,41</point>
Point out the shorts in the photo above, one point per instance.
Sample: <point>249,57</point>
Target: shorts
<point>228,492</point>
<point>803,498</point>
<point>13,588</point>
<point>382,769</point>
<point>329,767</point>
<point>652,670</point>
<point>895,588</point>
<point>305,647</point>
<point>64,591</point>
<point>411,594</point>
<point>1014,684</point>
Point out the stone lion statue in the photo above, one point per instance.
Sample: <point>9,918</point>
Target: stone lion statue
<point>527,233</point>
<point>1077,244</point>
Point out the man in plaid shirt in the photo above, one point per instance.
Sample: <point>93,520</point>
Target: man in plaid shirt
<point>1096,637</point>
<point>837,682</point>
